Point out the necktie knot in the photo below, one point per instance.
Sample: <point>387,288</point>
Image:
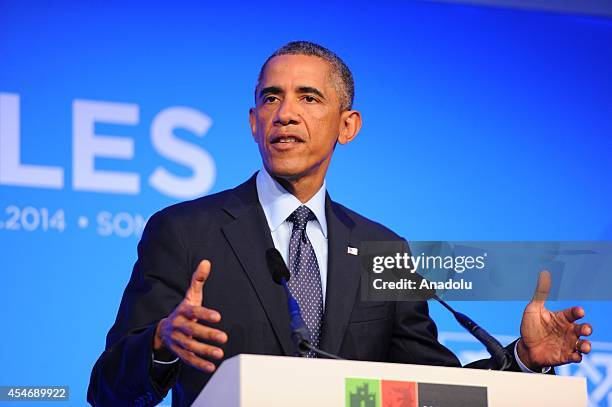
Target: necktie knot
<point>300,217</point>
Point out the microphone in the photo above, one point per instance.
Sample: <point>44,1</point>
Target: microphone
<point>499,355</point>
<point>300,334</point>
<point>277,266</point>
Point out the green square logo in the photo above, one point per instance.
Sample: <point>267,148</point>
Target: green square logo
<point>362,392</point>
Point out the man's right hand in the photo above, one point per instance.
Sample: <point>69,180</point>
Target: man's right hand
<point>178,332</point>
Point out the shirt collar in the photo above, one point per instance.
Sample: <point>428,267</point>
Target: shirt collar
<point>278,203</point>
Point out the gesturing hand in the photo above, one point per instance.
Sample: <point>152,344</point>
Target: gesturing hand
<point>551,338</point>
<point>179,332</point>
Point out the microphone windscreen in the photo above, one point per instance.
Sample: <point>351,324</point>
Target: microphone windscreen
<point>277,265</point>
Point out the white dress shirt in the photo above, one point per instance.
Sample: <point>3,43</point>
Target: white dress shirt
<point>278,204</point>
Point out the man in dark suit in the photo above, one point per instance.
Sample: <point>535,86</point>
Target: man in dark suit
<point>174,324</point>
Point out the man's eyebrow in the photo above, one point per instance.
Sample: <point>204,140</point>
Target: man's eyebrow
<point>275,90</point>
<point>310,89</point>
<point>271,90</point>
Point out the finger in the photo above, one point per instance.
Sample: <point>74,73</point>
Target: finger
<point>196,288</point>
<point>201,313</point>
<point>193,360</point>
<point>542,288</point>
<point>573,313</point>
<point>196,347</point>
<point>204,332</point>
<point>584,346</point>
<point>583,329</point>
<point>576,357</point>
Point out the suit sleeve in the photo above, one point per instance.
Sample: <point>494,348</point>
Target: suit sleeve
<point>123,374</point>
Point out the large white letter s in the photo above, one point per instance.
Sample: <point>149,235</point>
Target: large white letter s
<point>171,147</point>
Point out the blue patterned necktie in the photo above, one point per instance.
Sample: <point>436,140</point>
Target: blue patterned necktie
<point>305,281</point>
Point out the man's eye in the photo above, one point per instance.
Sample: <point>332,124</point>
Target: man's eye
<point>269,99</point>
<point>310,99</point>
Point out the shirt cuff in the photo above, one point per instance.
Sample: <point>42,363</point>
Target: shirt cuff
<point>522,365</point>
<point>162,362</point>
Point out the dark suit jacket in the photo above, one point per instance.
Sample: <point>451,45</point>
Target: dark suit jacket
<point>230,229</point>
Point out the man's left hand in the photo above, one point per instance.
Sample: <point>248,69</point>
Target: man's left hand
<point>551,338</point>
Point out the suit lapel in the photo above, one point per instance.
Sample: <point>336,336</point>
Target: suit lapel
<point>343,277</point>
<point>249,236</point>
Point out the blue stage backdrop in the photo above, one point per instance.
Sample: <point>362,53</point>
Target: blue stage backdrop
<point>479,124</point>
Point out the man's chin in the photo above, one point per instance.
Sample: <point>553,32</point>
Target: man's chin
<point>287,175</point>
<point>288,172</point>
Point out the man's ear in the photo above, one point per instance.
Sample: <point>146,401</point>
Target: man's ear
<point>253,123</point>
<point>350,124</point>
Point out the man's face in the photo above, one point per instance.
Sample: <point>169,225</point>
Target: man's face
<point>297,117</point>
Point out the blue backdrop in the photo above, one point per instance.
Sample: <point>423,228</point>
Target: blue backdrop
<point>479,124</point>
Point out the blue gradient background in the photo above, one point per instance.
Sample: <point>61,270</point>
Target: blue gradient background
<point>479,124</point>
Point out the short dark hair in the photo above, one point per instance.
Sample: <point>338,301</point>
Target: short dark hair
<point>345,86</point>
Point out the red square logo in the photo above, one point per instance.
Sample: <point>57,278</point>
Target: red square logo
<point>399,394</point>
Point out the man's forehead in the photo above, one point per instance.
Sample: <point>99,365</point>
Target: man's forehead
<point>298,69</point>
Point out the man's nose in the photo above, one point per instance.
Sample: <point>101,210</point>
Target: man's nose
<point>286,113</point>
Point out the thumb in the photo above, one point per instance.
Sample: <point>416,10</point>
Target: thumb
<point>194,293</point>
<point>543,288</point>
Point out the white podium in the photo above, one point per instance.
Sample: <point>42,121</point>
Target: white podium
<point>269,381</point>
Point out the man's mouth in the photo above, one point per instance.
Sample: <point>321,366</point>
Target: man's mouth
<point>282,139</point>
